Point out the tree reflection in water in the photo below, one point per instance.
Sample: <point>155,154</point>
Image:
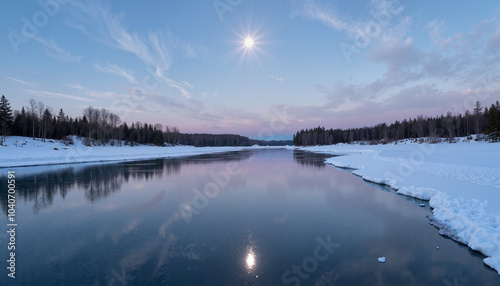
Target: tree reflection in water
<point>41,185</point>
<point>310,159</point>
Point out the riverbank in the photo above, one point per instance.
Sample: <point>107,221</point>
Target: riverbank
<point>460,180</point>
<point>23,151</point>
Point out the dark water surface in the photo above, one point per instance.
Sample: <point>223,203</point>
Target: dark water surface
<point>266,217</point>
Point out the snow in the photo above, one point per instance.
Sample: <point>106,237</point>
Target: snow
<point>460,180</point>
<point>23,151</point>
<point>381,259</point>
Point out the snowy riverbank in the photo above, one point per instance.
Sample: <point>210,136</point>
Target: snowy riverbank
<point>24,151</point>
<point>461,182</point>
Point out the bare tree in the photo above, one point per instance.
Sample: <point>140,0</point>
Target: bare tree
<point>90,114</point>
<point>40,107</point>
<point>449,124</point>
<point>114,121</point>
<point>103,124</point>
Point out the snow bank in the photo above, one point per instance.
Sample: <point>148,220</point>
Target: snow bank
<point>461,182</point>
<point>23,151</point>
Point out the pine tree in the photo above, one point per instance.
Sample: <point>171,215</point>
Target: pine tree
<point>497,106</point>
<point>159,140</point>
<point>24,122</point>
<point>493,124</point>
<point>46,120</point>
<point>477,118</point>
<point>6,118</point>
<point>61,117</point>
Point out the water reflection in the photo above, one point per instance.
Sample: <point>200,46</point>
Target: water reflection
<point>310,159</point>
<point>265,220</point>
<point>250,260</point>
<point>42,184</point>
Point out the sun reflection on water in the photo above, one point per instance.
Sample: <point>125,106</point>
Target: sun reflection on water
<point>250,260</point>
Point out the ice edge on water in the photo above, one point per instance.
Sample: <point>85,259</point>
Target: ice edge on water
<point>456,215</point>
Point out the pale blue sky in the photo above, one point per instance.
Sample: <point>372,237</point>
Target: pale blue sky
<point>334,63</point>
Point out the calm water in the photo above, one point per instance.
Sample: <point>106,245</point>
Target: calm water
<point>267,217</point>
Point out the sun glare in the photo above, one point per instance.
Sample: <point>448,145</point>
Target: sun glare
<point>249,43</point>
<point>250,260</point>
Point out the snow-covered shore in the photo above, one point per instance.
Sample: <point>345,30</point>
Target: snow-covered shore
<point>24,151</point>
<point>461,182</point>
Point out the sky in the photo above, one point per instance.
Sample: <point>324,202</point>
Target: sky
<point>337,64</point>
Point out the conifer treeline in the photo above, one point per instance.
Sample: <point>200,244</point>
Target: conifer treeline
<point>100,126</point>
<point>479,121</point>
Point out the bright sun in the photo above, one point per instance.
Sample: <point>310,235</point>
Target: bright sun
<point>249,43</point>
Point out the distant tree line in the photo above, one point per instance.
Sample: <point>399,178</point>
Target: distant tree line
<point>199,140</point>
<point>479,121</point>
<point>100,126</point>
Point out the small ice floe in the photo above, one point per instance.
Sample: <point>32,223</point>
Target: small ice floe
<point>381,259</point>
<point>422,205</point>
<point>437,247</point>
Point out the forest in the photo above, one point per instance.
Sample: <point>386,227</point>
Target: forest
<point>99,127</point>
<point>482,121</point>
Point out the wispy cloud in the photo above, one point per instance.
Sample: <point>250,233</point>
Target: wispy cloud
<point>328,15</point>
<point>324,13</point>
<point>116,70</point>
<point>437,29</point>
<point>74,85</point>
<point>57,94</point>
<point>56,52</point>
<point>182,86</point>
<point>101,25</point>
<point>188,49</point>
<point>19,80</point>
<point>278,78</point>
<point>96,93</point>
<point>154,49</point>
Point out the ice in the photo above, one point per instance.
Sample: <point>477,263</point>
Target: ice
<point>381,259</point>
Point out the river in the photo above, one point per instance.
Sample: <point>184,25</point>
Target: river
<point>261,217</point>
